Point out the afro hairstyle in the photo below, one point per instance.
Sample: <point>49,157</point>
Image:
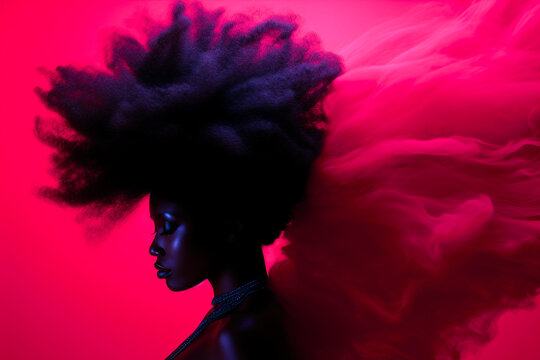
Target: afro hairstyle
<point>224,114</point>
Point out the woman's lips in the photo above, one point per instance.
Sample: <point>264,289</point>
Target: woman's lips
<point>159,267</point>
<point>163,271</point>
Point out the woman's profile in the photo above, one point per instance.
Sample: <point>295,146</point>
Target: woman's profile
<point>245,321</point>
<point>219,121</point>
<point>402,171</point>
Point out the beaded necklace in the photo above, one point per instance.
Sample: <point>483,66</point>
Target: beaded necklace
<point>222,306</point>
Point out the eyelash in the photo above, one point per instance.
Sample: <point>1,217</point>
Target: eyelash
<point>173,229</point>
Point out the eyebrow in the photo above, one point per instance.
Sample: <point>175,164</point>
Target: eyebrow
<point>165,214</point>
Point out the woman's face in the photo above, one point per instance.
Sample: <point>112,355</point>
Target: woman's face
<point>184,255</point>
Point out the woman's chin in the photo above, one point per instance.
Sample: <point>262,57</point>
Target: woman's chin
<point>175,285</point>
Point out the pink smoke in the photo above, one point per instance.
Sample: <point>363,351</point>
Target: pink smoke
<point>422,223</point>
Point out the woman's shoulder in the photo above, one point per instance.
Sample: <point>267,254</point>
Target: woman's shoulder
<point>254,330</point>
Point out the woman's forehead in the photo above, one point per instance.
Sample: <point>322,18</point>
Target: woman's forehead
<point>160,204</point>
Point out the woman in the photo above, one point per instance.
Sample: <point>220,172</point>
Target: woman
<point>245,322</point>
<point>219,121</point>
<point>410,228</point>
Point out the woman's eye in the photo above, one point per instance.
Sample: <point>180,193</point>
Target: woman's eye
<point>168,227</point>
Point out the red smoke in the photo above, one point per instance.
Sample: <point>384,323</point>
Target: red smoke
<point>422,223</point>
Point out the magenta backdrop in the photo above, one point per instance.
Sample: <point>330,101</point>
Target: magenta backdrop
<point>65,299</point>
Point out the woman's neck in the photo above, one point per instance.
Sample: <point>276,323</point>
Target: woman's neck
<point>241,268</point>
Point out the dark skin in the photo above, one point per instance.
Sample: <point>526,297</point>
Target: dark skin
<point>191,249</point>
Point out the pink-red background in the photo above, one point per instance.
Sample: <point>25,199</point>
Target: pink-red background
<point>63,298</point>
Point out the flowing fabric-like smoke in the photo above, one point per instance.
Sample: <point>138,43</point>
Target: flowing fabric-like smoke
<point>422,220</point>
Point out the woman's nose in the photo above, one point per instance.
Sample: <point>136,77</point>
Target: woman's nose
<point>155,249</point>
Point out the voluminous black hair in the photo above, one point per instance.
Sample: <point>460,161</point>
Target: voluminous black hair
<point>225,114</point>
